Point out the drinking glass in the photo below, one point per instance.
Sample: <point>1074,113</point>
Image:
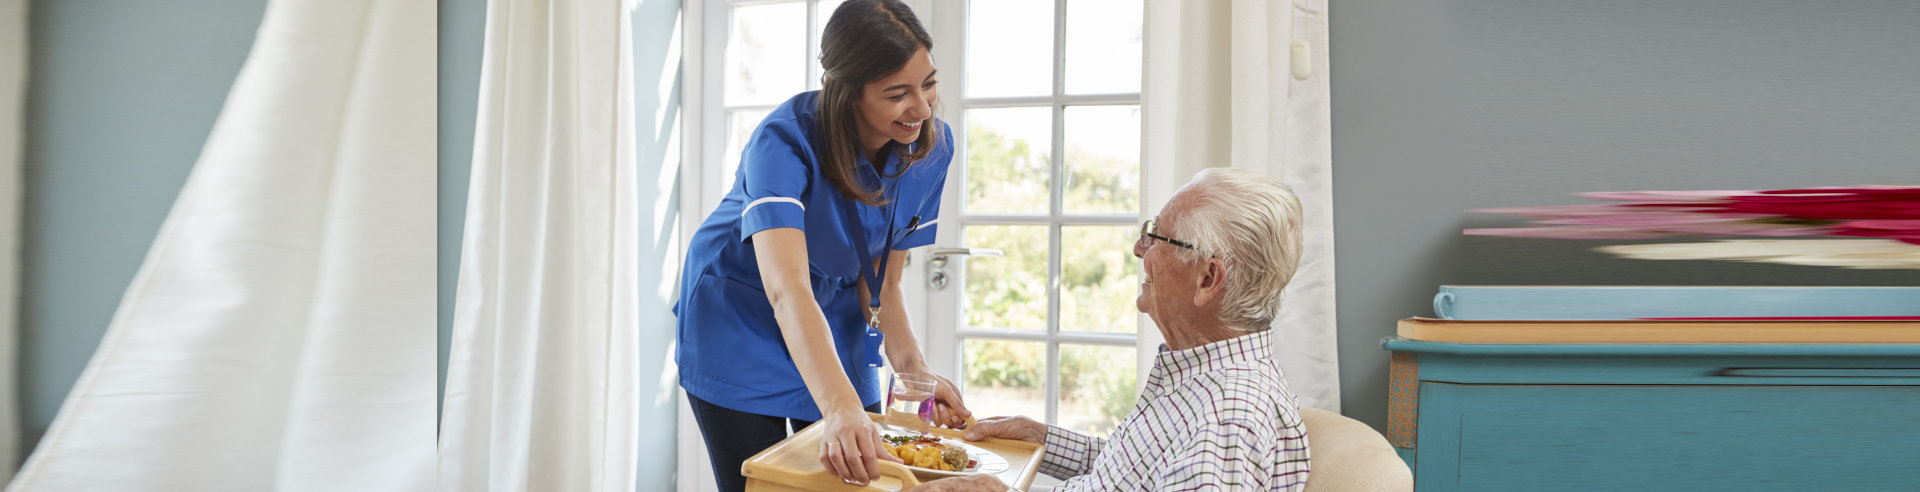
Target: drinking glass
<point>910,402</point>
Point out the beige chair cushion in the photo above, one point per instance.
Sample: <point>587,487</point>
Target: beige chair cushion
<point>1349,456</point>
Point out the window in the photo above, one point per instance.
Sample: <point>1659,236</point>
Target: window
<point>1050,108</point>
<point>771,53</point>
<point>1044,100</point>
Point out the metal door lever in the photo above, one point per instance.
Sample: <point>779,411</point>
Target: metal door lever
<point>938,278</point>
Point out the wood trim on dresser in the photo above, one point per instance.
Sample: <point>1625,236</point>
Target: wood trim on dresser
<point>1403,400</point>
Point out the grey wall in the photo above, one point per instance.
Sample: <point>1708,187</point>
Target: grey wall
<point>463,25</point>
<point>120,98</point>
<point>1440,106</point>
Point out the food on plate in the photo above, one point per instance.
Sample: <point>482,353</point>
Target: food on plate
<point>928,452</point>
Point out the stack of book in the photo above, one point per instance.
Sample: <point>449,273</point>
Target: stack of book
<point>1670,315</point>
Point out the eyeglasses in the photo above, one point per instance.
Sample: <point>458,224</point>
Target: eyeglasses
<point>1147,231</point>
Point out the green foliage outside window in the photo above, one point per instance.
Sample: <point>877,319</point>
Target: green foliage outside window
<point>1099,275</point>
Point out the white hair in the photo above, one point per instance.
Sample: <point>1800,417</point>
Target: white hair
<point>1252,223</point>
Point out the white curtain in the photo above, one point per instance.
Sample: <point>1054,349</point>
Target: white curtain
<point>279,335</point>
<point>13,82</point>
<point>542,387</point>
<point>1219,91</point>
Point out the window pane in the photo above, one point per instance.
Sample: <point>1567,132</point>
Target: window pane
<point>822,13</point>
<point>1099,279</point>
<point>1006,377</point>
<point>1096,387</point>
<point>766,62</point>
<point>1009,291</point>
<point>1009,48</point>
<point>1008,168</point>
<point>1103,46</point>
<point>740,126</point>
<point>1103,160</point>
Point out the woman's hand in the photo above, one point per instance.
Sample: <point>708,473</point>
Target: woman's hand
<point>850,446</point>
<point>1018,428</point>
<point>951,411</point>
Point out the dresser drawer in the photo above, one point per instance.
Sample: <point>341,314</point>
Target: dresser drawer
<point>1694,438</point>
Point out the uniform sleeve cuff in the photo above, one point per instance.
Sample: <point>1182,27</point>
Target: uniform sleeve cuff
<point>772,213</point>
<point>922,236</point>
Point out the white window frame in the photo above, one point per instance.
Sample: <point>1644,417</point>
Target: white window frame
<point>704,144</point>
<point>948,26</point>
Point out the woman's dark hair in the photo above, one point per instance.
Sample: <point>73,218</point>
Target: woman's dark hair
<point>863,41</point>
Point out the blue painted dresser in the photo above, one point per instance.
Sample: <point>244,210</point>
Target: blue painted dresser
<point>1693,418</point>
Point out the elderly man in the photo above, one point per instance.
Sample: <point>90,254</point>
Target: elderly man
<point>1216,412</point>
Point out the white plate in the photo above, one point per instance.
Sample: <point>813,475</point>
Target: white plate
<point>984,461</point>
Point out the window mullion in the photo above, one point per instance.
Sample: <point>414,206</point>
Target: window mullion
<point>1069,99</point>
<point>813,45</point>
<point>1056,209</point>
<point>1053,383</point>
<point>750,107</point>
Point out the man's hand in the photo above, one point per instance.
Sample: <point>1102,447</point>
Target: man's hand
<point>1018,428</point>
<point>973,483</point>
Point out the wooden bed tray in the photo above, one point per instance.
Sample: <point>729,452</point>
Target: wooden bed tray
<point>793,465</point>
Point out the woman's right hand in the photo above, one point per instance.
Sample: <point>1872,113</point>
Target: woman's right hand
<point>850,445</point>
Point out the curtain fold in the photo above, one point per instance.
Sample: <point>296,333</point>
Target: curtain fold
<point>1219,92</point>
<point>13,83</point>
<point>542,380</point>
<point>279,335</point>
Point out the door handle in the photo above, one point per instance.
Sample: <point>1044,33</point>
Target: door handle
<point>938,262</point>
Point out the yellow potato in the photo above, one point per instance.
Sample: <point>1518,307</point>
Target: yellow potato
<point>928,457</point>
<point>935,453</point>
<point>919,455</point>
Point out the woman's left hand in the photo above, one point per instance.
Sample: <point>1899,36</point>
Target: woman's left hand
<point>951,411</point>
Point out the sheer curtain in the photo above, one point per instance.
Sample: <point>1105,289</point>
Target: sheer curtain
<point>1219,91</point>
<point>542,381</point>
<point>13,81</point>
<point>279,335</point>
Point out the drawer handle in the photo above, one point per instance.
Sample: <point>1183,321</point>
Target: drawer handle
<point>1817,372</point>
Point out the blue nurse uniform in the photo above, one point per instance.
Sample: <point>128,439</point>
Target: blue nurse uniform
<point>731,353</point>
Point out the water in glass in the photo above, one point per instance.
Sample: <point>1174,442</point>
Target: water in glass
<point>910,404</point>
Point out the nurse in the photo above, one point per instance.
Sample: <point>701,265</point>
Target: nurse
<point>783,280</point>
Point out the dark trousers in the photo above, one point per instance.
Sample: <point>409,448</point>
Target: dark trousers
<point>733,436</point>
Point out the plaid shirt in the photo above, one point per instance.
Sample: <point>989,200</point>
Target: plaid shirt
<point>1213,417</point>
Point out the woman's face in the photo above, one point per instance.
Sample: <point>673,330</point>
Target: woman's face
<point>898,104</point>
